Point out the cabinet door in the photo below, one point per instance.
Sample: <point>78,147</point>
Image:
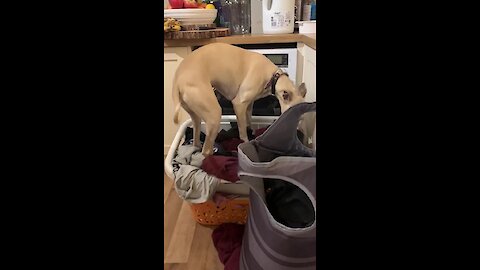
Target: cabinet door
<point>309,73</point>
<point>172,58</point>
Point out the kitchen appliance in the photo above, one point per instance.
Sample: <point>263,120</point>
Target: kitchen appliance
<point>256,15</point>
<point>278,16</point>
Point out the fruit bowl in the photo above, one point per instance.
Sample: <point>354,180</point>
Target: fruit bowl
<point>189,16</point>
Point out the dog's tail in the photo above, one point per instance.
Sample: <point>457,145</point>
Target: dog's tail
<point>176,102</point>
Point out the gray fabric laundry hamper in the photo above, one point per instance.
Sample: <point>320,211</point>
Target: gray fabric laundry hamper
<point>278,154</point>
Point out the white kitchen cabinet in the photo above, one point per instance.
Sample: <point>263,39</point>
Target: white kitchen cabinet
<point>307,68</point>
<point>173,56</point>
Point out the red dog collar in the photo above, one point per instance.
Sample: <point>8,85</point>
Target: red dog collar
<point>274,79</point>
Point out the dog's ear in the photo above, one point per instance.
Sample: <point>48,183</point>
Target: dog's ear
<point>302,89</point>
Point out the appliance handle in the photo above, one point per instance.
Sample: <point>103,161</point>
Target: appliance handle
<point>269,4</point>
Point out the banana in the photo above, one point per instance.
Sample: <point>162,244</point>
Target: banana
<point>170,24</point>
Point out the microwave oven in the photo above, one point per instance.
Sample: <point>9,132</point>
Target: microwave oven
<point>284,58</point>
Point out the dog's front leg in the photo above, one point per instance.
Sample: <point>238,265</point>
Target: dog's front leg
<point>241,113</point>
<point>249,115</point>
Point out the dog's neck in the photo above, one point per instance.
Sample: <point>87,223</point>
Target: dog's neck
<point>273,81</point>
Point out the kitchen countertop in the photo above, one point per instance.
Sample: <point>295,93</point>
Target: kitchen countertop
<point>308,39</point>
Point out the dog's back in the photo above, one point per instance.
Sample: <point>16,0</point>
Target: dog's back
<point>222,65</point>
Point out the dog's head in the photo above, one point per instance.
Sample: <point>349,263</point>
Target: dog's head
<point>288,95</point>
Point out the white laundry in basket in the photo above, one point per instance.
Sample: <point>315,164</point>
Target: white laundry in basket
<point>224,186</point>
<point>191,183</point>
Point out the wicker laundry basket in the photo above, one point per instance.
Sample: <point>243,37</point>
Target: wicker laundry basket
<point>231,211</point>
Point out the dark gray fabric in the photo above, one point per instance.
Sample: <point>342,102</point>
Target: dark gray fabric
<point>282,140</point>
<point>278,154</point>
<point>288,204</point>
<point>191,183</point>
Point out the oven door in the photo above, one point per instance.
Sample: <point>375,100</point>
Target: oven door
<point>267,106</point>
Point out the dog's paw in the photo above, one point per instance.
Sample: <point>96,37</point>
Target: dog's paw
<point>207,152</point>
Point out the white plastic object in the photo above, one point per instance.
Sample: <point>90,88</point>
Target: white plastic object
<point>278,16</point>
<point>307,27</point>
<point>189,16</point>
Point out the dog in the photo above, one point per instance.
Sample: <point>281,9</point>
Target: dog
<point>307,125</point>
<point>241,76</point>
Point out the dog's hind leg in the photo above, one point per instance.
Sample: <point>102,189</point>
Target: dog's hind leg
<point>206,107</point>
<point>196,125</point>
<point>212,119</point>
<point>196,130</point>
<point>212,127</point>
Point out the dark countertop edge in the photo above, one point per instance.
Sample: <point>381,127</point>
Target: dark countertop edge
<point>308,39</point>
